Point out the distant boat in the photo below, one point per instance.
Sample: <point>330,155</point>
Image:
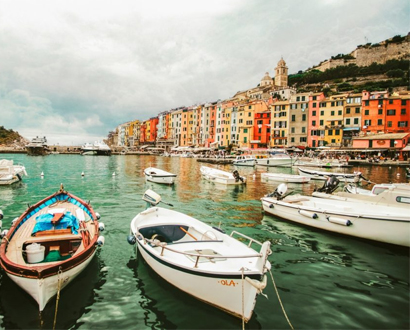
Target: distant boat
<point>49,244</point>
<point>159,176</point>
<point>10,173</point>
<point>97,148</point>
<point>219,176</point>
<point>245,160</point>
<point>282,177</point>
<point>319,175</point>
<point>37,147</point>
<point>275,158</point>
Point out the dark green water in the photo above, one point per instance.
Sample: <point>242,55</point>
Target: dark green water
<point>325,281</point>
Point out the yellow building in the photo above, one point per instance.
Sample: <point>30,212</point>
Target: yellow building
<point>280,124</point>
<point>331,111</point>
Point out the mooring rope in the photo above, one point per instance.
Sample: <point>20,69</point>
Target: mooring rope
<point>58,296</point>
<point>243,300</point>
<point>280,301</point>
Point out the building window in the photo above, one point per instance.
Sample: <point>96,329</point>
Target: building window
<point>348,121</point>
<point>292,130</point>
<point>367,122</point>
<point>304,117</point>
<point>356,121</point>
<point>379,121</point>
<point>402,124</point>
<point>303,139</point>
<point>314,104</point>
<point>313,122</point>
<point>322,113</point>
<point>380,111</point>
<point>390,101</point>
<point>330,132</point>
<point>314,98</point>
<point>245,130</point>
<point>366,112</point>
<point>292,139</point>
<point>403,111</point>
<point>337,132</point>
<point>332,113</point>
<point>321,123</point>
<point>314,113</point>
<point>391,112</point>
<point>293,118</point>
<point>303,129</point>
<point>340,112</point>
<point>389,124</point>
<point>403,102</point>
<point>366,102</point>
<point>347,110</point>
<point>357,110</point>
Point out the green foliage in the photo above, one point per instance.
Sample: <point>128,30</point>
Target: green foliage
<point>8,136</point>
<point>396,73</point>
<point>349,71</point>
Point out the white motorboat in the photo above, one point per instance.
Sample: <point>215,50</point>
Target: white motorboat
<point>10,172</point>
<point>223,177</point>
<point>282,177</point>
<point>275,158</point>
<point>245,160</point>
<point>324,163</point>
<point>203,261</point>
<point>159,176</point>
<point>322,175</point>
<point>98,148</point>
<point>366,220</point>
<point>50,244</point>
<point>388,194</point>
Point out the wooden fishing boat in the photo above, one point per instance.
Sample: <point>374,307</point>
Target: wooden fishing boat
<point>50,244</point>
<point>219,269</point>
<point>159,176</point>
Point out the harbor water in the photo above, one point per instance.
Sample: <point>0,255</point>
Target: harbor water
<point>325,281</point>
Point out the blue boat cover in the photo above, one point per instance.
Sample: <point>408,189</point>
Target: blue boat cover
<point>43,222</point>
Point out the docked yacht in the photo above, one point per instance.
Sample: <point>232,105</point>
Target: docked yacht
<point>97,148</point>
<point>275,158</point>
<point>37,147</point>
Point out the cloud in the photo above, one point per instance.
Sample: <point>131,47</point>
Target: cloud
<point>86,67</point>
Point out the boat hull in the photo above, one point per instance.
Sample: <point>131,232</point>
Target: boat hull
<point>224,292</point>
<point>284,178</point>
<point>160,179</point>
<point>394,229</point>
<point>44,289</point>
<point>275,162</point>
<point>36,151</point>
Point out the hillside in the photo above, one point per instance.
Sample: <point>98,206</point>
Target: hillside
<point>380,66</point>
<point>11,138</point>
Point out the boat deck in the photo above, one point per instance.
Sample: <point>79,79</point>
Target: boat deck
<point>60,239</point>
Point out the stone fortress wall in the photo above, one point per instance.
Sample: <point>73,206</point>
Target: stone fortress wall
<point>366,55</point>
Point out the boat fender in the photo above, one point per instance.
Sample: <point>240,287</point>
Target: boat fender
<point>340,221</point>
<point>98,215</point>
<point>14,221</point>
<point>308,214</point>
<point>101,226</point>
<point>1,214</point>
<point>259,285</point>
<point>271,206</point>
<point>100,240</point>
<point>131,239</point>
<point>4,233</point>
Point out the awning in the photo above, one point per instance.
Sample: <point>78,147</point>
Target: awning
<point>406,148</point>
<point>143,147</point>
<point>351,129</point>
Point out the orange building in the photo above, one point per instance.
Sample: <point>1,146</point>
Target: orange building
<point>314,128</point>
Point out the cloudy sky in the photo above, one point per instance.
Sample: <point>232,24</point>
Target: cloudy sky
<point>74,70</point>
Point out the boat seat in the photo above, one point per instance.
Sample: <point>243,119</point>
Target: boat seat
<point>56,218</point>
<point>50,238</point>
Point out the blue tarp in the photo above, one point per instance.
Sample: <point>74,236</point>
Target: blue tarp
<point>43,222</point>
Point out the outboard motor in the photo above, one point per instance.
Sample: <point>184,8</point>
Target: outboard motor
<point>279,192</point>
<point>236,175</point>
<point>330,185</point>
